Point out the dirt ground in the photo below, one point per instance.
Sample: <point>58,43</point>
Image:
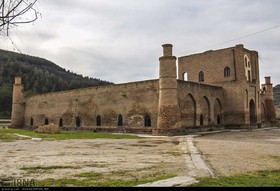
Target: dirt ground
<point>226,153</point>
<point>241,151</point>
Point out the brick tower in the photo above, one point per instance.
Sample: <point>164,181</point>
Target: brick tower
<point>168,109</point>
<point>18,104</point>
<point>269,100</point>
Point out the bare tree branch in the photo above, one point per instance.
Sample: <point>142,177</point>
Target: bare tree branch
<point>14,12</point>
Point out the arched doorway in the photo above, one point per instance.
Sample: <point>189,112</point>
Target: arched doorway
<point>201,120</point>
<point>218,112</point>
<point>218,119</point>
<point>60,122</point>
<point>46,121</point>
<point>252,112</point>
<point>78,122</point>
<point>188,115</point>
<point>98,120</point>
<point>147,121</point>
<point>205,110</point>
<point>120,120</point>
<point>31,121</point>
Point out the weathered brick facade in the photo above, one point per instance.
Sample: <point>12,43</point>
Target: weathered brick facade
<point>221,90</point>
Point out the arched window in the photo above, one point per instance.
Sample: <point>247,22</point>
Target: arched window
<point>227,71</point>
<point>60,122</point>
<point>120,120</point>
<point>185,76</point>
<point>46,121</point>
<point>31,122</point>
<point>78,122</point>
<point>98,120</point>
<point>247,68</point>
<point>147,121</point>
<point>201,76</point>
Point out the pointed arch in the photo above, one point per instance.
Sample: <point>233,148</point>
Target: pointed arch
<point>252,112</point>
<point>78,122</point>
<point>120,120</point>
<point>98,120</point>
<point>46,121</point>
<point>188,111</point>
<point>218,112</point>
<point>31,121</point>
<point>60,122</point>
<point>205,110</point>
<point>147,121</point>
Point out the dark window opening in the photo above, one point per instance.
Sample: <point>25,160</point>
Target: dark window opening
<point>147,121</point>
<point>201,76</point>
<point>120,120</point>
<point>46,121</point>
<point>60,122</point>
<point>98,120</point>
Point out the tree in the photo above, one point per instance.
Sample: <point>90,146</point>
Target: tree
<point>15,12</point>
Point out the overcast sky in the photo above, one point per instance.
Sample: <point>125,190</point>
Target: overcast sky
<point>120,40</point>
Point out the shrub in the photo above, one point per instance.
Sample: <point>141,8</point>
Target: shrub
<point>47,129</point>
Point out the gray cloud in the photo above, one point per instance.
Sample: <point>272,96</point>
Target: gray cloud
<point>120,40</point>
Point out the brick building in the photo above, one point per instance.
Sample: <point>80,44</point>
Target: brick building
<point>214,89</point>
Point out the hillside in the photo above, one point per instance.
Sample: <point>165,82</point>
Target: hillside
<point>38,76</point>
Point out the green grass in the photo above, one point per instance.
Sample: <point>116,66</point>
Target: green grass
<point>47,167</point>
<point>112,179</point>
<point>8,135</point>
<point>253,179</point>
<point>174,153</point>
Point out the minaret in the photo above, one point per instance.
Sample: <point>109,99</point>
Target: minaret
<point>168,108</point>
<point>269,100</point>
<point>18,104</point>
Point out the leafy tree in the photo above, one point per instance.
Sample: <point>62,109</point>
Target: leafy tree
<point>15,12</point>
<point>38,76</point>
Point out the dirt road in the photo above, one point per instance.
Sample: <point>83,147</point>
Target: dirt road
<point>227,153</point>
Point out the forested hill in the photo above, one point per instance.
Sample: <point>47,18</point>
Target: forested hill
<point>38,76</point>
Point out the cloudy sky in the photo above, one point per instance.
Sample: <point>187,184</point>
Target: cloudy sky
<point>120,40</point>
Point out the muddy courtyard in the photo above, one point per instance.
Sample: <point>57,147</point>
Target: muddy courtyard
<point>224,153</point>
